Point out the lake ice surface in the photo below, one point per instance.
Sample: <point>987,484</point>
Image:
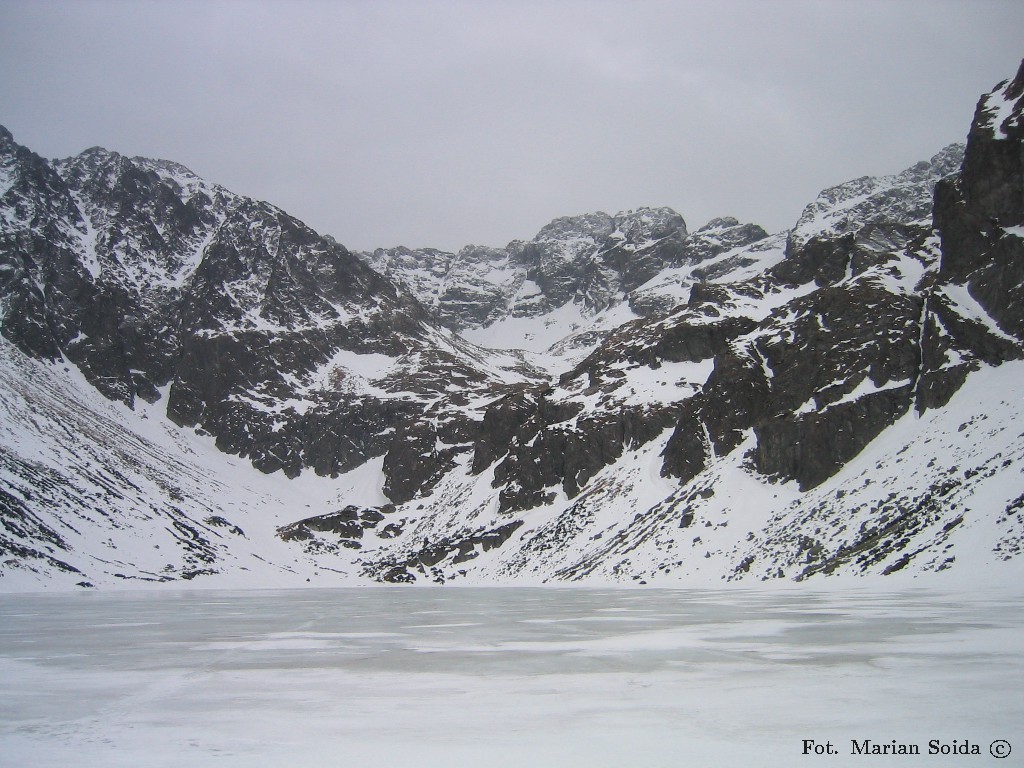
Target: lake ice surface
<point>505,676</point>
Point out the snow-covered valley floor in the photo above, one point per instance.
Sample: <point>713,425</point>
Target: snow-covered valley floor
<point>508,676</point>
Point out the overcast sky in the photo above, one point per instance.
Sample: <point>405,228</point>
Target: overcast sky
<point>442,123</point>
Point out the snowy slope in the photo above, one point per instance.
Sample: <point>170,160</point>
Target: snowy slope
<point>92,492</point>
<point>935,491</point>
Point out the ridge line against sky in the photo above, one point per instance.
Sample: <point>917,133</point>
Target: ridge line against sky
<point>443,123</point>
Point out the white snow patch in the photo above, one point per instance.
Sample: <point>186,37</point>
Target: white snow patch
<point>969,307</point>
<point>542,334</point>
<point>669,383</point>
<point>90,260</point>
<point>369,365</point>
<point>863,389</point>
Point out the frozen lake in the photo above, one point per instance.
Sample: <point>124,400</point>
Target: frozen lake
<point>506,677</point>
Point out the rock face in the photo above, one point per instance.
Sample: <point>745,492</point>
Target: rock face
<point>833,398</point>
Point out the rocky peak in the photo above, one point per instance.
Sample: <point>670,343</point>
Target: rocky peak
<point>146,220</point>
<point>853,205</point>
<point>30,189</point>
<point>566,232</point>
<point>1001,111</point>
<point>465,289</point>
<point>649,224</point>
<point>595,259</point>
<point>980,213</point>
<point>719,236</point>
<point>861,223</point>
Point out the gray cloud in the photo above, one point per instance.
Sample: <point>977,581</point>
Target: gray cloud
<point>444,123</point>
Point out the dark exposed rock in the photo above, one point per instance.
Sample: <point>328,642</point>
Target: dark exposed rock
<point>794,380</point>
<point>812,448</point>
<point>688,449</point>
<point>517,416</point>
<point>459,547</point>
<point>716,237</point>
<point>568,456</point>
<point>953,345</point>
<point>825,260</point>
<point>40,275</point>
<point>346,525</point>
<point>421,452</point>
<point>988,194</point>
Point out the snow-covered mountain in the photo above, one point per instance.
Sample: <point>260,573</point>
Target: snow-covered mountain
<point>249,325</point>
<point>690,406</point>
<point>565,289</point>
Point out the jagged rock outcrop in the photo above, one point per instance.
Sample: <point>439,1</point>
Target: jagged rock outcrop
<point>346,526</point>
<point>41,274</point>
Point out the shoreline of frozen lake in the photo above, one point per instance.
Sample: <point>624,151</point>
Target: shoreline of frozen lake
<point>508,676</point>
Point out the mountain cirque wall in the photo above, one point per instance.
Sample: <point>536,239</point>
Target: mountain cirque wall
<point>815,355</point>
<point>819,401</point>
